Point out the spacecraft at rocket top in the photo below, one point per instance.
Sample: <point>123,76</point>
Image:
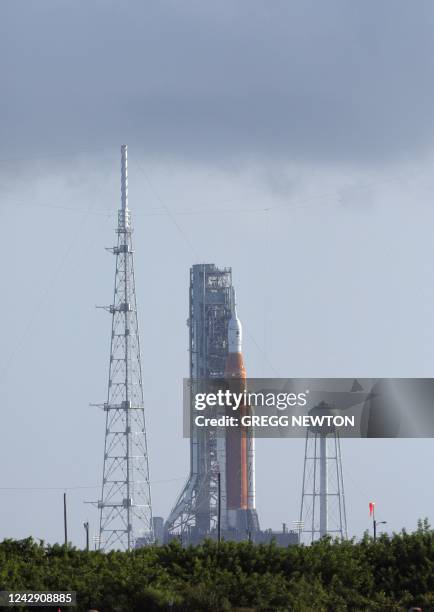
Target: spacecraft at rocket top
<point>234,362</point>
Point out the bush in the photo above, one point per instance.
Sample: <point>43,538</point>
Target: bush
<point>391,574</point>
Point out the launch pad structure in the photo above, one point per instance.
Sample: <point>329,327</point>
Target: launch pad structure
<point>219,468</point>
<point>195,512</point>
<point>218,499</point>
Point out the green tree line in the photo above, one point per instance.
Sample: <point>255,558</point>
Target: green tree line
<point>393,573</point>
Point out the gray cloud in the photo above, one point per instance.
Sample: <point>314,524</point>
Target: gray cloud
<point>308,80</point>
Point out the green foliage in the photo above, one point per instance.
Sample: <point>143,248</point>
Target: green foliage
<point>392,573</point>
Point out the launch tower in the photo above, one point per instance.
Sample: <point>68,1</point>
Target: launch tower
<point>194,515</point>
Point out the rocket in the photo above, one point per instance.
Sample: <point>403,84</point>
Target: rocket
<point>240,449</point>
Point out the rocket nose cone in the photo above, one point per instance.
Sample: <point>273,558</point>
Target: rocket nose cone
<point>234,334</point>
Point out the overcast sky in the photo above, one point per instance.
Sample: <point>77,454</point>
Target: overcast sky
<point>292,141</point>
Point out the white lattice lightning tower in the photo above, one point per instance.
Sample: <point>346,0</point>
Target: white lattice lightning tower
<point>125,503</point>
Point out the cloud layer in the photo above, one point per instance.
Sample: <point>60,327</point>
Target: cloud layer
<point>307,80</point>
